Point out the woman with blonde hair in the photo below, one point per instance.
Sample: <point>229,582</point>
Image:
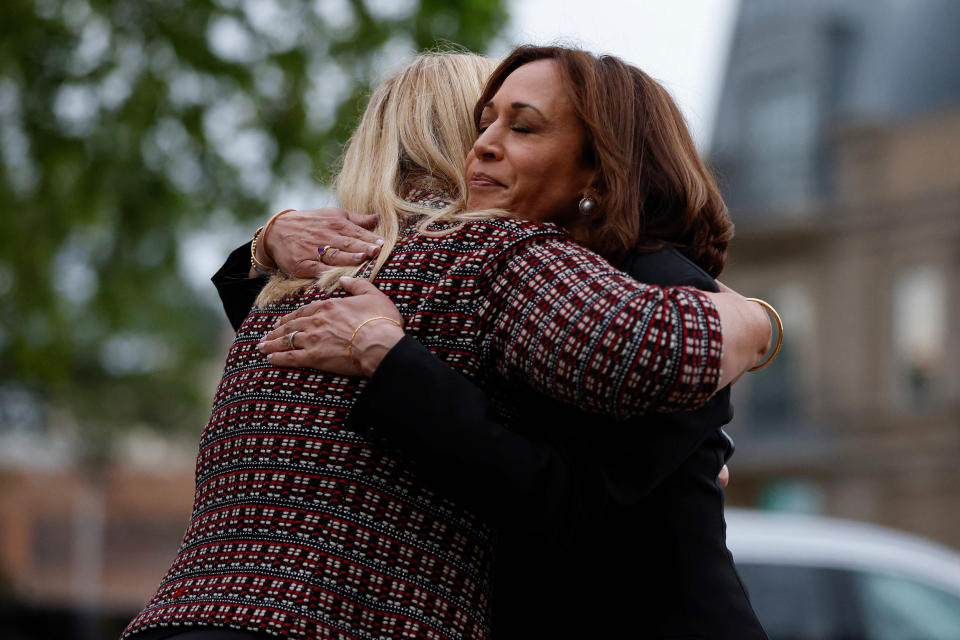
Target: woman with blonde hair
<point>304,526</point>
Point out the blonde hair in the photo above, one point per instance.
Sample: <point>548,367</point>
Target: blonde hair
<point>415,132</point>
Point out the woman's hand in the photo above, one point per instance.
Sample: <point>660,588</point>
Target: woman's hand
<point>324,330</point>
<point>291,242</point>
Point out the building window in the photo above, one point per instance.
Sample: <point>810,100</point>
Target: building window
<point>780,130</point>
<point>919,335</point>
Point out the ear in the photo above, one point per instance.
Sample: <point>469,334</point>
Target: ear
<point>591,186</point>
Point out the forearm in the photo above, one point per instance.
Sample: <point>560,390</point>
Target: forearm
<point>588,334</point>
<point>445,423</point>
<point>555,488</point>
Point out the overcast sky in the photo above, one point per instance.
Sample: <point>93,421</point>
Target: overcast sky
<point>682,43</point>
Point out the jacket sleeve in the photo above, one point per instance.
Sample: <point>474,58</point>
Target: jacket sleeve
<point>575,328</point>
<point>237,290</point>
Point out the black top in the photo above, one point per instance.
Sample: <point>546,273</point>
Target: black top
<point>607,529</point>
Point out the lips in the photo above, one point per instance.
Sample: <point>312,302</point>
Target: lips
<point>480,179</point>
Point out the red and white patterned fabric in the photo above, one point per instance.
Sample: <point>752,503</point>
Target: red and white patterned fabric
<point>304,527</point>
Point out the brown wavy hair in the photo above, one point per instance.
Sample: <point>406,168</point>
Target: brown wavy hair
<point>652,187</point>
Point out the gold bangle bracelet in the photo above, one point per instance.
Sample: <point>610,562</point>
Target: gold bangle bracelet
<point>262,232</point>
<point>357,330</point>
<point>776,349</point>
<point>258,266</point>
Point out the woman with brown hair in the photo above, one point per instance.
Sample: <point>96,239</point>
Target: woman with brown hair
<point>634,506</point>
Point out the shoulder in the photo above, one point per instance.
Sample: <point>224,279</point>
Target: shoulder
<point>480,250</point>
<point>486,233</point>
<point>502,241</point>
<point>545,248</point>
<point>513,230</point>
<point>667,267</point>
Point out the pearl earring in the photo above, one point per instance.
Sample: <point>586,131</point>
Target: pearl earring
<point>587,205</point>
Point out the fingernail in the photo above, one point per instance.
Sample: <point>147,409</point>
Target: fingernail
<point>372,248</point>
<point>269,357</point>
<point>379,242</point>
<point>260,345</point>
<point>345,279</point>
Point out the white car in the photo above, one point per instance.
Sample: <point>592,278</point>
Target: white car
<point>815,578</point>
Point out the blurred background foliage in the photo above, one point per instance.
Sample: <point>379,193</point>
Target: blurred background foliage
<point>136,136</point>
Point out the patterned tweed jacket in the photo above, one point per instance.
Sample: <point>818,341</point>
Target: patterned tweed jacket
<point>304,527</point>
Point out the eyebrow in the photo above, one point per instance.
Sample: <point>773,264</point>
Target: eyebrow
<point>515,105</point>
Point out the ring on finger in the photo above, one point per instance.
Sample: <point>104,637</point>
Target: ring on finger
<point>321,250</point>
<point>290,339</point>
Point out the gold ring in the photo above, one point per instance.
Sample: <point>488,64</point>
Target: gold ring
<point>776,349</point>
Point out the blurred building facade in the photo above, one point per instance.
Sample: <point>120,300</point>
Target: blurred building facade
<point>83,547</point>
<point>837,144</point>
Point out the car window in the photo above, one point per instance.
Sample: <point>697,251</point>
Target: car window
<point>896,607</point>
<point>799,603</point>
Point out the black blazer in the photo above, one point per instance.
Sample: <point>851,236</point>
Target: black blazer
<point>607,530</point>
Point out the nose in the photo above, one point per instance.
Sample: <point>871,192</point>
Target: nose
<point>487,145</point>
